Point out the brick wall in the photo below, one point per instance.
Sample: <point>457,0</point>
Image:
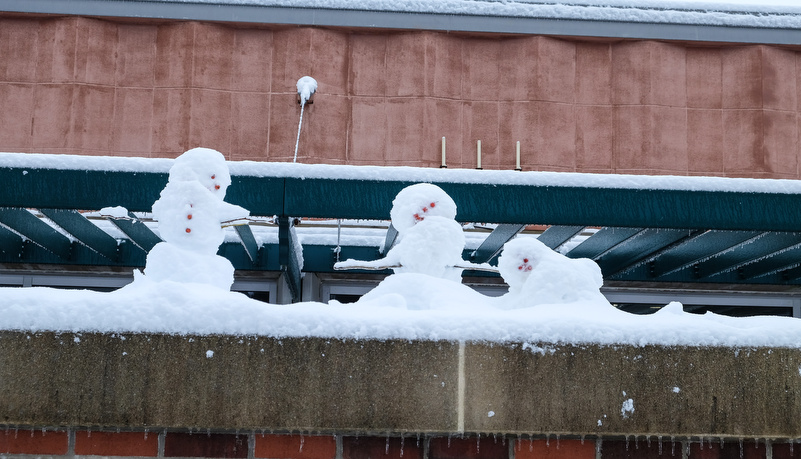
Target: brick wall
<point>70,442</point>
<point>155,89</point>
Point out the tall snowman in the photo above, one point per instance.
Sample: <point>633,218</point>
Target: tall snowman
<point>430,241</point>
<point>190,213</point>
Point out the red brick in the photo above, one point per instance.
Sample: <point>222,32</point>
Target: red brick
<point>381,447</point>
<point>563,449</point>
<point>634,448</point>
<point>205,445</point>
<point>786,451</point>
<point>116,443</point>
<point>295,447</point>
<point>728,450</point>
<point>468,448</point>
<point>33,442</point>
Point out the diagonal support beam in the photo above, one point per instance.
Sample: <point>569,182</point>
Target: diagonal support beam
<point>248,242</point>
<point>137,231</point>
<point>85,231</point>
<point>289,257</point>
<point>555,236</point>
<point>30,226</point>
<point>389,240</point>
<point>493,244</point>
<point>11,244</point>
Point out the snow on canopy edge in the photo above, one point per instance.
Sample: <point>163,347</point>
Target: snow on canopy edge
<point>731,13</point>
<point>413,174</point>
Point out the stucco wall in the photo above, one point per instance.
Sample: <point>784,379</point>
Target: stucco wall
<point>93,86</point>
<point>230,383</point>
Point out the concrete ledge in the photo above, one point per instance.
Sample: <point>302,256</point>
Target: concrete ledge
<point>137,381</point>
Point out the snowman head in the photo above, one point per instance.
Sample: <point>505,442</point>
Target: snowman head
<point>520,257</point>
<point>205,166</point>
<point>416,202</point>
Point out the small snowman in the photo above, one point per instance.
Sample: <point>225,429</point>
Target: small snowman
<point>538,275</point>
<point>430,241</point>
<point>191,212</point>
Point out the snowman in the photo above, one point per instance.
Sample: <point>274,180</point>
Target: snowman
<point>430,241</point>
<point>190,213</point>
<point>538,275</point>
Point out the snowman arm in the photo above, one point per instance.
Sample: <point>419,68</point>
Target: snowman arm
<point>486,267</point>
<point>383,263</point>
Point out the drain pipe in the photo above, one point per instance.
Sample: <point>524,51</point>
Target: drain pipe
<point>306,87</point>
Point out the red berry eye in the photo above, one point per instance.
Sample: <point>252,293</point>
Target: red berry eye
<point>216,187</point>
<point>425,209</point>
<point>213,177</point>
<point>520,267</point>
<point>525,260</point>
<point>433,204</point>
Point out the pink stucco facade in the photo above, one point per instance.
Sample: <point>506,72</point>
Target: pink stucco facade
<point>151,88</point>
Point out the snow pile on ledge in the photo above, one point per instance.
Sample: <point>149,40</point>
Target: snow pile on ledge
<point>455,313</point>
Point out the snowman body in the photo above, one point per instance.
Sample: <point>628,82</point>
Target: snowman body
<point>190,212</point>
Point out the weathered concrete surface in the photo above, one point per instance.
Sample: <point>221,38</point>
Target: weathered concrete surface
<point>313,384</point>
<point>688,391</point>
<point>249,383</point>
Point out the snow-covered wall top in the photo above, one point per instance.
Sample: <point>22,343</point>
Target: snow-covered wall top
<point>734,13</point>
<point>412,174</point>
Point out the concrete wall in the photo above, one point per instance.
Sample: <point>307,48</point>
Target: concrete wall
<point>313,385</point>
<point>147,88</point>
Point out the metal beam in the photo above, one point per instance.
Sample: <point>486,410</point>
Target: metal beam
<point>695,249</point>
<point>85,231</point>
<point>753,249</point>
<point>137,231</point>
<point>555,236</point>
<point>389,239</point>
<point>11,244</point>
<point>248,242</point>
<point>493,244</point>
<point>602,241</point>
<point>638,248</point>
<point>288,257</point>
<point>30,226</point>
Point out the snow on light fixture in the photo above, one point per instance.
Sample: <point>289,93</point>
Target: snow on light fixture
<point>306,86</point>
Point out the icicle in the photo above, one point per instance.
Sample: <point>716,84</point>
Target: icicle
<point>478,443</point>
<point>401,451</point>
<point>582,439</point>
<point>89,432</point>
<point>791,447</point>
<point>701,438</point>
<point>530,443</point>
<point>548,440</point>
<point>301,443</point>
<point>386,449</point>
<point>208,432</point>
<point>449,440</point>
<point>557,441</point>
<point>659,439</point>
<point>418,439</point>
<point>190,431</point>
<point>672,445</point>
<point>627,442</point>
<point>648,441</point>
<point>741,448</point>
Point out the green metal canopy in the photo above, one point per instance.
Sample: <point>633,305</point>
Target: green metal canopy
<point>635,234</point>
